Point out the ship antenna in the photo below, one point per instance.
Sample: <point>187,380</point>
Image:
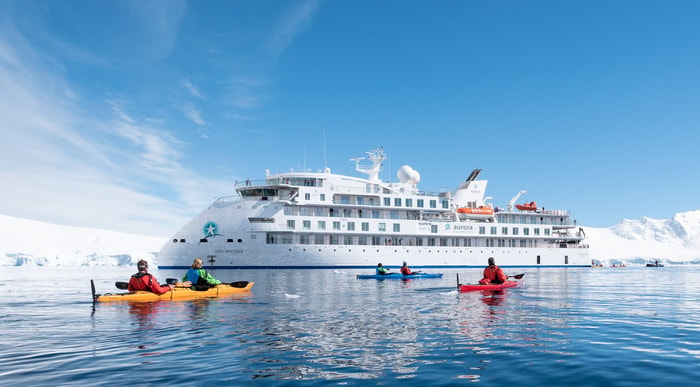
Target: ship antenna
<point>325,163</point>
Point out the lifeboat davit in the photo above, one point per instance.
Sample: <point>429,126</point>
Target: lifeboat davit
<point>532,206</point>
<point>481,212</point>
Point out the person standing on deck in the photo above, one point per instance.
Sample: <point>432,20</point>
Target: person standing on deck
<point>493,274</point>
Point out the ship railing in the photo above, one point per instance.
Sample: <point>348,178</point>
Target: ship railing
<point>226,199</point>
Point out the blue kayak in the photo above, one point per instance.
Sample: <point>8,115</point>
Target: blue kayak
<point>399,276</point>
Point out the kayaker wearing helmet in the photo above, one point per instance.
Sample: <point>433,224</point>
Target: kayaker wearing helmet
<point>143,280</point>
<point>493,274</point>
<point>198,276</point>
<point>381,270</point>
<point>405,270</point>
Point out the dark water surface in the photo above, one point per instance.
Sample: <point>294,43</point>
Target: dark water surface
<point>586,326</point>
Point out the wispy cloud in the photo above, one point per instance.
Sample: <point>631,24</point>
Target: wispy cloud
<point>194,90</point>
<point>101,167</point>
<point>193,114</point>
<point>295,21</point>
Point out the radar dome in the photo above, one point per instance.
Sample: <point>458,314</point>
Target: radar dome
<point>409,175</point>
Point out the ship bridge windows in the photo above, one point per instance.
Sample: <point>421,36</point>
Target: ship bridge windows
<point>420,203</point>
<point>433,204</point>
<point>258,192</point>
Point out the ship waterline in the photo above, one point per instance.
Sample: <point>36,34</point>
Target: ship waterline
<point>324,220</point>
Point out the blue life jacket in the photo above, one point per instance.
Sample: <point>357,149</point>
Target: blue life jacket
<point>193,275</point>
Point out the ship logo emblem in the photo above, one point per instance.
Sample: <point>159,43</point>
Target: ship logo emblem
<point>210,229</point>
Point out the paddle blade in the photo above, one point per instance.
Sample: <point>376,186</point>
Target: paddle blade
<point>122,285</point>
<point>517,276</point>
<point>239,284</point>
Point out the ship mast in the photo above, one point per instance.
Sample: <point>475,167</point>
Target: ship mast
<point>376,157</point>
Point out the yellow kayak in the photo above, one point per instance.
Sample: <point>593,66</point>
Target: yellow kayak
<point>178,293</point>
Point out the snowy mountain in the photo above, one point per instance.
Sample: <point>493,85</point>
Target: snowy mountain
<point>30,243</point>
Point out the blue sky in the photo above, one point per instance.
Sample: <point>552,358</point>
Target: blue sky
<point>134,115</point>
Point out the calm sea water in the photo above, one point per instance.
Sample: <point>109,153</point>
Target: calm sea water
<point>588,326</point>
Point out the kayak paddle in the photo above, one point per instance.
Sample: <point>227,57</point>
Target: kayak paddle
<point>517,276</point>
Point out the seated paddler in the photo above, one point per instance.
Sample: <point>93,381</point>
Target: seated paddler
<point>196,276</point>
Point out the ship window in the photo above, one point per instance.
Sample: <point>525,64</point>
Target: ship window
<point>482,230</point>
<point>515,231</point>
<point>382,226</point>
<point>365,226</point>
<point>431,241</point>
<point>387,201</point>
<point>409,202</point>
<point>376,241</point>
<point>493,230</point>
<point>347,212</point>
<point>306,225</point>
<point>394,214</point>
<point>360,200</point>
<point>203,240</point>
<point>566,259</point>
<point>307,196</point>
<point>320,211</point>
<point>433,229</point>
<point>351,226</point>
<point>182,241</point>
<point>229,240</point>
<point>501,243</point>
<point>319,239</point>
<point>347,240</point>
<point>538,259</point>
<point>419,203</point>
<point>175,240</point>
<point>443,241</point>
<point>419,241</point>
<point>537,231</point>
<point>523,243</point>
<point>376,214</point>
<point>397,227</point>
<point>397,202</point>
<point>321,224</point>
<point>546,231</point>
<point>504,230</point>
<point>290,224</point>
<point>304,240</point>
<point>323,197</point>
<point>433,204</point>
<point>336,225</point>
<point>526,231</point>
<point>362,240</point>
<point>241,240</point>
<point>445,204</point>
<point>334,239</point>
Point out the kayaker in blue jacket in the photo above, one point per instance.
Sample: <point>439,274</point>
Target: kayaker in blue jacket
<point>381,270</point>
<point>197,276</point>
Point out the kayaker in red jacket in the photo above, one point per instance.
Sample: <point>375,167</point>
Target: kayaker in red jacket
<point>405,270</point>
<point>143,280</point>
<point>493,274</point>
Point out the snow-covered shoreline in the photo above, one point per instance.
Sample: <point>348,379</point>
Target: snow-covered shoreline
<point>32,243</point>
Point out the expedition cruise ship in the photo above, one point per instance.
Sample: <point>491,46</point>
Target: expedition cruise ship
<point>324,220</point>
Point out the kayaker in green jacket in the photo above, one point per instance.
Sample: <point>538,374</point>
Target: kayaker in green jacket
<point>197,276</point>
<point>381,270</point>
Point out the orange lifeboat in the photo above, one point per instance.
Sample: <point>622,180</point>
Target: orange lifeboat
<point>532,206</point>
<point>481,212</point>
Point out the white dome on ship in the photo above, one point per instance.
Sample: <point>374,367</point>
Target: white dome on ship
<point>409,175</point>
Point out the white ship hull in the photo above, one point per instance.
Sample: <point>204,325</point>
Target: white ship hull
<point>321,220</point>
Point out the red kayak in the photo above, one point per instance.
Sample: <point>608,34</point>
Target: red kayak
<point>473,287</point>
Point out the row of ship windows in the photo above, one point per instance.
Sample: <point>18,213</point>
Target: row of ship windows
<point>369,201</point>
<point>396,227</point>
<point>378,240</point>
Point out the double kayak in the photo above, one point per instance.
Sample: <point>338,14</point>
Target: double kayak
<point>399,276</point>
<point>178,293</point>
<point>473,287</point>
